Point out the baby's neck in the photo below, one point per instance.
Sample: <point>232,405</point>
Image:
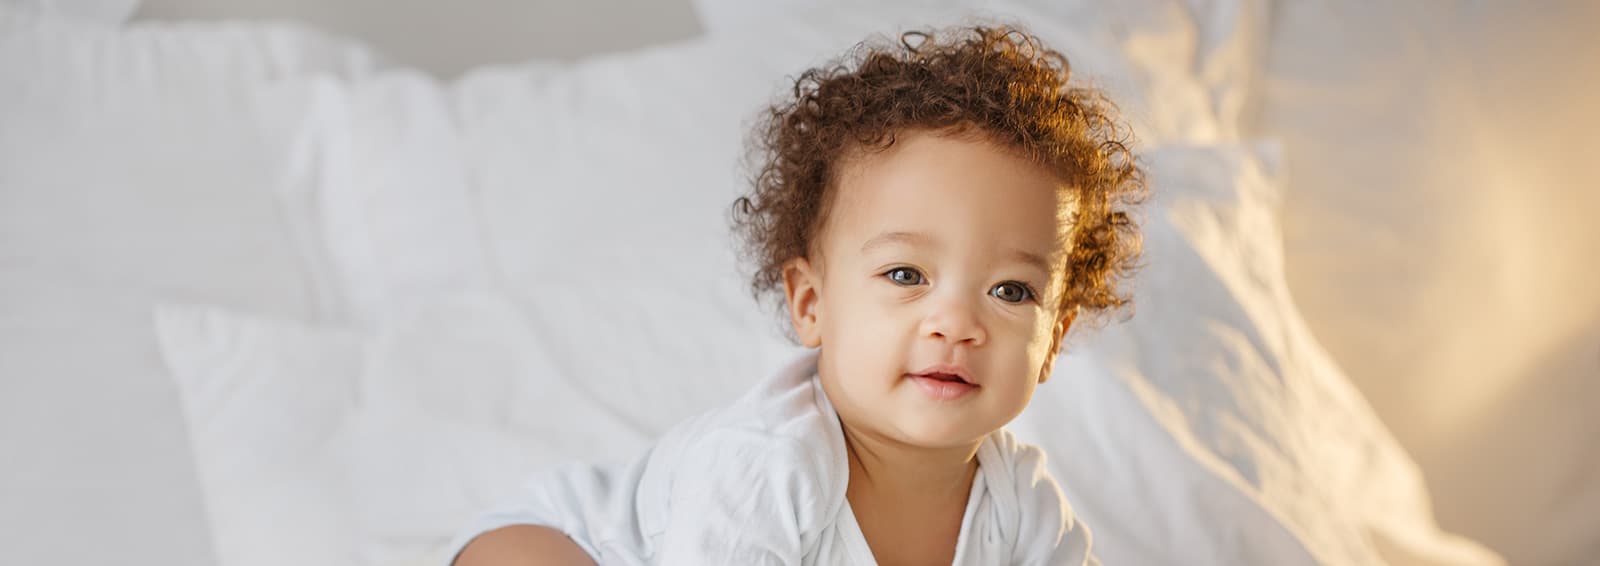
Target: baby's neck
<point>909,501</point>
<point>886,469</point>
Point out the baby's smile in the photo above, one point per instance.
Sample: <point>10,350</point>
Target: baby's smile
<point>945,382</point>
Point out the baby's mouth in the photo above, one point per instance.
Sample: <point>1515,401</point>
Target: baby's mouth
<point>949,377</point>
<point>947,373</point>
<point>946,383</point>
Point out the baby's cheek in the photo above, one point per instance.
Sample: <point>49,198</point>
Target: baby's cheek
<point>854,343</point>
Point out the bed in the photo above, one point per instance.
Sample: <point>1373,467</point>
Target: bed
<point>270,297</point>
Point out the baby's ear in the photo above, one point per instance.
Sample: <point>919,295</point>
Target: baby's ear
<point>1058,334</point>
<point>801,283</point>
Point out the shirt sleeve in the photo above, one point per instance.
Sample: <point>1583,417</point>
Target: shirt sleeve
<point>1050,534</point>
<point>551,499</point>
<point>742,498</point>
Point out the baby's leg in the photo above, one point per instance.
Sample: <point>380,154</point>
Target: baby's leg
<point>523,545</point>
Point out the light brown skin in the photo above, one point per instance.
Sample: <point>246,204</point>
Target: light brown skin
<point>523,545</point>
<point>968,215</point>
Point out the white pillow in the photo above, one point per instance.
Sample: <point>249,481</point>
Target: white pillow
<point>460,404</point>
<point>383,208</point>
<point>320,445</point>
<point>265,402</point>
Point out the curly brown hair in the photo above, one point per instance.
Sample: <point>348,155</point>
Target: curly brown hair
<point>998,82</point>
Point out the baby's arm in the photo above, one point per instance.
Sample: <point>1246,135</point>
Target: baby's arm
<point>522,545</point>
<point>544,522</point>
<point>744,498</point>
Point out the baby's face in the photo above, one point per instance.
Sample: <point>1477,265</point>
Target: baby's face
<point>936,261</point>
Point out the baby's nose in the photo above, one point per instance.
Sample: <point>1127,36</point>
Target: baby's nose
<point>955,321</point>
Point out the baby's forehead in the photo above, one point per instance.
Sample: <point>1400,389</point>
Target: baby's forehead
<point>947,192</point>
<point>998,192</point>
<point>962,160</point>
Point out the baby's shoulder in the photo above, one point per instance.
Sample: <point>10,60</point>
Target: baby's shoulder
<point>786,416</point>
<point>1018,460</point>
<point>779,442</point>
<point>1046,523</point>
<point>781,429</point>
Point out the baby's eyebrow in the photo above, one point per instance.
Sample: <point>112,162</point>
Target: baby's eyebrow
<point>1032,259</point>
<point>912,239</point>
<point>915,239</point>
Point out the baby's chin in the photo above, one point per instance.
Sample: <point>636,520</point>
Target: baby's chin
<point>937,432</point>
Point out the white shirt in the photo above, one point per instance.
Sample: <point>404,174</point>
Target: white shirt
<point>762,482</point>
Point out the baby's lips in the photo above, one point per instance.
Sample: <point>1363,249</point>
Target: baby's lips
<point>945,371</point>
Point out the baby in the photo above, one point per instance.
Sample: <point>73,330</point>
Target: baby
<point>933,214</point>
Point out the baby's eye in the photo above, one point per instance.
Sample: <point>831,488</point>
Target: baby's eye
<point>1012,292</point>
<point>904,276</point>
